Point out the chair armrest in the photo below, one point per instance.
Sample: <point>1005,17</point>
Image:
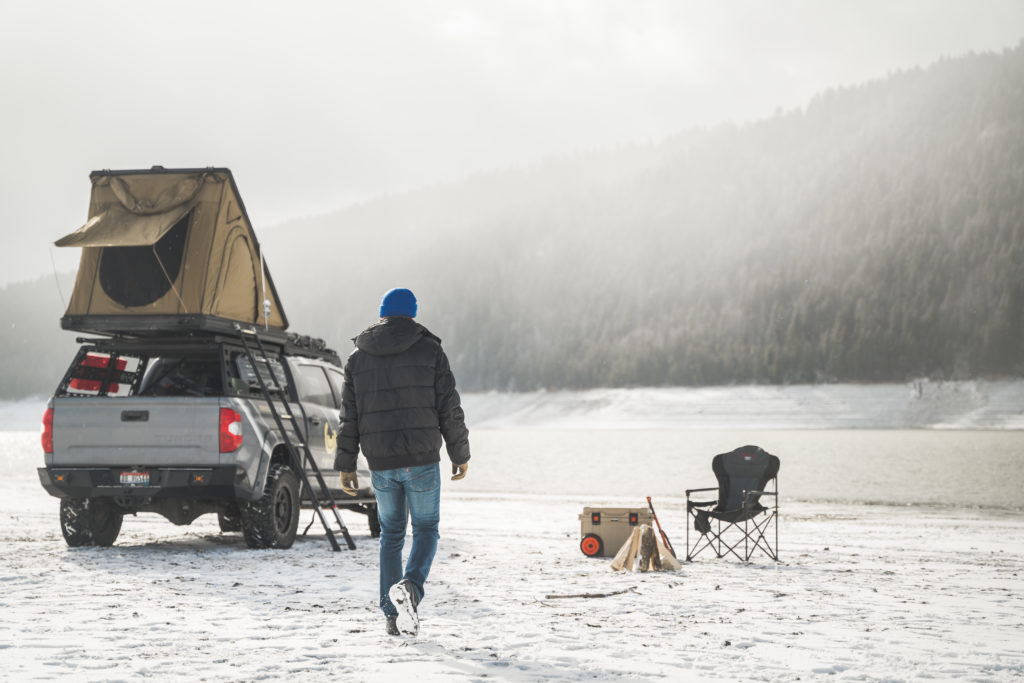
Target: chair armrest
<point>690,504</point>
<point>689,491</point>
<point>748,496</point>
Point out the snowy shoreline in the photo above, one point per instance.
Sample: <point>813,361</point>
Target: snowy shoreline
<point>914,405</point>
<point>861,592</point>
<point>923,404</point>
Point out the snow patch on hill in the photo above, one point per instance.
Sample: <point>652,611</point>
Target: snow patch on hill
<point>921,404</point>
<point>917,405</point>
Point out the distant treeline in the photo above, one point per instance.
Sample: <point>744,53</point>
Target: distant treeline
<point>875,235</point>
<point>35,351</point>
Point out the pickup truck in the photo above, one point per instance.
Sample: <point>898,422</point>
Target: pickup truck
<point>179,426</point>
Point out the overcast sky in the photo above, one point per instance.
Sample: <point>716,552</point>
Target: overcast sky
<point>318,104</point>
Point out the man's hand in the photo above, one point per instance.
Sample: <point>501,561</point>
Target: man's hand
<point>459,471</point>
<point>349,483</point>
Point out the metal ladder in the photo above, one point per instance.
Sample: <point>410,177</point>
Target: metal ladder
<point>299,452</point>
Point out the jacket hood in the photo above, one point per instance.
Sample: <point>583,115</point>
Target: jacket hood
<point>391,336</point>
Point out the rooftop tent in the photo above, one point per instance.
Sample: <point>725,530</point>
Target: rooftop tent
<point>168,250</point>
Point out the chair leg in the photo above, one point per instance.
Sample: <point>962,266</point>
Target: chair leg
<point>755,535</point>
<point>701,543</point>
<point>689,512</point>
<point>761,542</point>
<point>755,538</point>
<point>752,537</point>
<point>698,548</point>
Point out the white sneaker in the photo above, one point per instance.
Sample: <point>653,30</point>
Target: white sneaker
<point>403,597</point>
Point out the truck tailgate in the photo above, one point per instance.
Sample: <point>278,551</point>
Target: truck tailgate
<point>150,431</point>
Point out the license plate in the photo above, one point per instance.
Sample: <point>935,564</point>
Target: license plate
<point>135,478</point>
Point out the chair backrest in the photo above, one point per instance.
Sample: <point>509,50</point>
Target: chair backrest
<point>748,468</point>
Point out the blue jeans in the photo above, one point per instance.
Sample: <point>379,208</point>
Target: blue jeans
<point>402,493</point>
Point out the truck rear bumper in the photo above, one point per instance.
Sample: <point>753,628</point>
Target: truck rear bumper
<point>152,483</point>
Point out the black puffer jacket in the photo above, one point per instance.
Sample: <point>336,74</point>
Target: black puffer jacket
<point>399,399</point>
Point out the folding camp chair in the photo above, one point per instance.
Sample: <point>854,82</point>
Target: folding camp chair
<point>737,523</point>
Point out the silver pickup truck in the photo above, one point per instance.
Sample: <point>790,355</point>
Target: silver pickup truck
<point>178,426</point>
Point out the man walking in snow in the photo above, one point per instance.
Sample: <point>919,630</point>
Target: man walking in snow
<point>398,400</point>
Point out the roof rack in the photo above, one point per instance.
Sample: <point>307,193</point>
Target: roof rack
<point>189,336</point>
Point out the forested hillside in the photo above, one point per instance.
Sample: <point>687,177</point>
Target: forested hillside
<point>875,234</point>
<point>36,352</point>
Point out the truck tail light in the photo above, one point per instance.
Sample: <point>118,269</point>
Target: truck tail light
<point>48,431</point>
<point>230,430</point>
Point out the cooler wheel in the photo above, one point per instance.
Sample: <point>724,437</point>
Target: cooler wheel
<point>591,545</point>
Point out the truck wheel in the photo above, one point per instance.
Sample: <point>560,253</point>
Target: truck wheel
<point>74,521</point>
<point>374,521</point>
<point>230,519</point>
<point>272,521</point>
<point>106,520</point>
<point>89,521</point>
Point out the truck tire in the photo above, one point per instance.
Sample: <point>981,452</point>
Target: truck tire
<point>230,519</point>
<point>272,521</point>
<point>89,521</point>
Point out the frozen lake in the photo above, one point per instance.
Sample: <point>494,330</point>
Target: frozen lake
<point>893,467</point>
<point>974,469</point>
<point>919,443</point>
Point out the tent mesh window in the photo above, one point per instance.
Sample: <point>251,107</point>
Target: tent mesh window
<point>139,276</point>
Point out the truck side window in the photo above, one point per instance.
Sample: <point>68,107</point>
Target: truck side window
<point>246,380</point>
<point>313,386</point>
<point>337,382</point>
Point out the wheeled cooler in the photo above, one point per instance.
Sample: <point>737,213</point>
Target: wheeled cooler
<point>604,530</point>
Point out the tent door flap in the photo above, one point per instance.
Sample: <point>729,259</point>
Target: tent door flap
<point>118,227</point>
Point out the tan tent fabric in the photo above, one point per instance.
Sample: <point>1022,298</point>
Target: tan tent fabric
<point>149,195</point>
<point>166,246</point>
<point>237,281</point>
<point>118,227</point>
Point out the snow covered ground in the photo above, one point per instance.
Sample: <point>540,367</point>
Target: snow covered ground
<point>862,592</point>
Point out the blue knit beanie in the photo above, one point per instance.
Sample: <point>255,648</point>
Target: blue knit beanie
<point>398,302</point>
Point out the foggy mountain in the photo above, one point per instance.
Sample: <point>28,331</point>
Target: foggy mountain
<point>36,351</point>
<point>876,234</point>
